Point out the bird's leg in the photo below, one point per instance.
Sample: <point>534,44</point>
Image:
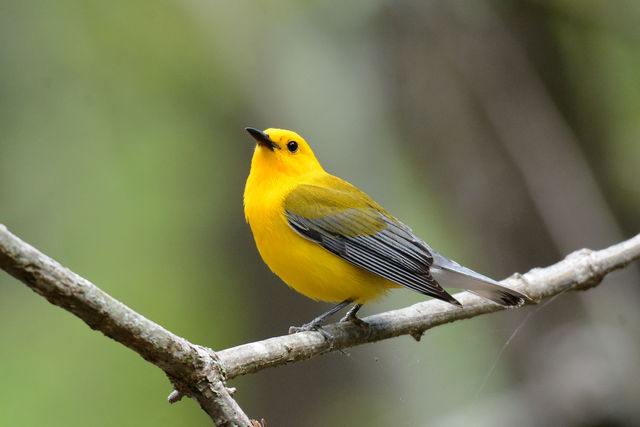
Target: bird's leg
<point>316,324</point>
<point>351,317</point>
<point>351,314</point>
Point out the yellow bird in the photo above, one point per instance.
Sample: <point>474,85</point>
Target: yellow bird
<point>330,241</point>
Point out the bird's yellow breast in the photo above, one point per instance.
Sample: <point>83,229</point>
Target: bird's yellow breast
<point>300,263</point>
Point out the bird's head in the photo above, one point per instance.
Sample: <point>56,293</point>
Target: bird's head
<point>282,151</point>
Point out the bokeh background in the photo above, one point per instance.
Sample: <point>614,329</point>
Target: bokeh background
<point>506,133</point>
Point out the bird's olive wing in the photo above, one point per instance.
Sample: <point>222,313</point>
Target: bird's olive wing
<point>355,228</point>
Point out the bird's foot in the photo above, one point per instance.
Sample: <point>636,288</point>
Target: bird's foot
<point>314,326</point>
<point>358,321</point>
<point>351,317</point>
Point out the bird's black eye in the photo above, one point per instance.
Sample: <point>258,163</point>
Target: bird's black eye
<point>292,146</point>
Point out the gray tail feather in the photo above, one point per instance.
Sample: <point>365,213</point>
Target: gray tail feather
<point>456,276</point>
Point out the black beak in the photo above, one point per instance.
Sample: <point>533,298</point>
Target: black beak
<point>262,138</point>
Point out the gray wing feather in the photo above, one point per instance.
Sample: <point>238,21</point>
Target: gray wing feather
<point>394,252</point>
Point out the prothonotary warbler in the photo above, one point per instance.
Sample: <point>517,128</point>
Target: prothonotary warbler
<point>330,241</point>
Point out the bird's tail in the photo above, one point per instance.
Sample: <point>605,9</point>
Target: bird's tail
<point>451,274</point>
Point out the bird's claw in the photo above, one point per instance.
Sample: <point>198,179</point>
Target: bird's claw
<point>359,322</point>
<point>314,327</point>
<point>352,318</point>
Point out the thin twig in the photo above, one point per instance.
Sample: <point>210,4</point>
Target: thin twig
<point>200,372</point>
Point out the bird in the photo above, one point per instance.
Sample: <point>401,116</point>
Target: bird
<point>330,241</point>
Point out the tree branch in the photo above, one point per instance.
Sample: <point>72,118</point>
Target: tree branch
<point>580,270</point>
<point>200,372</point>
<point>193,370</point>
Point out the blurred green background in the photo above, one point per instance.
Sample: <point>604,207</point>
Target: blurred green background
<point>506,133</point>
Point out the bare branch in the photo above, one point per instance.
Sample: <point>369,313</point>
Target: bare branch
<point>578,271</point>
<point>200,372</point>
<point>192,369</point>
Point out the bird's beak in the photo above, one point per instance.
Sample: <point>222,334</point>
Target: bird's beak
<point>262,138</point>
